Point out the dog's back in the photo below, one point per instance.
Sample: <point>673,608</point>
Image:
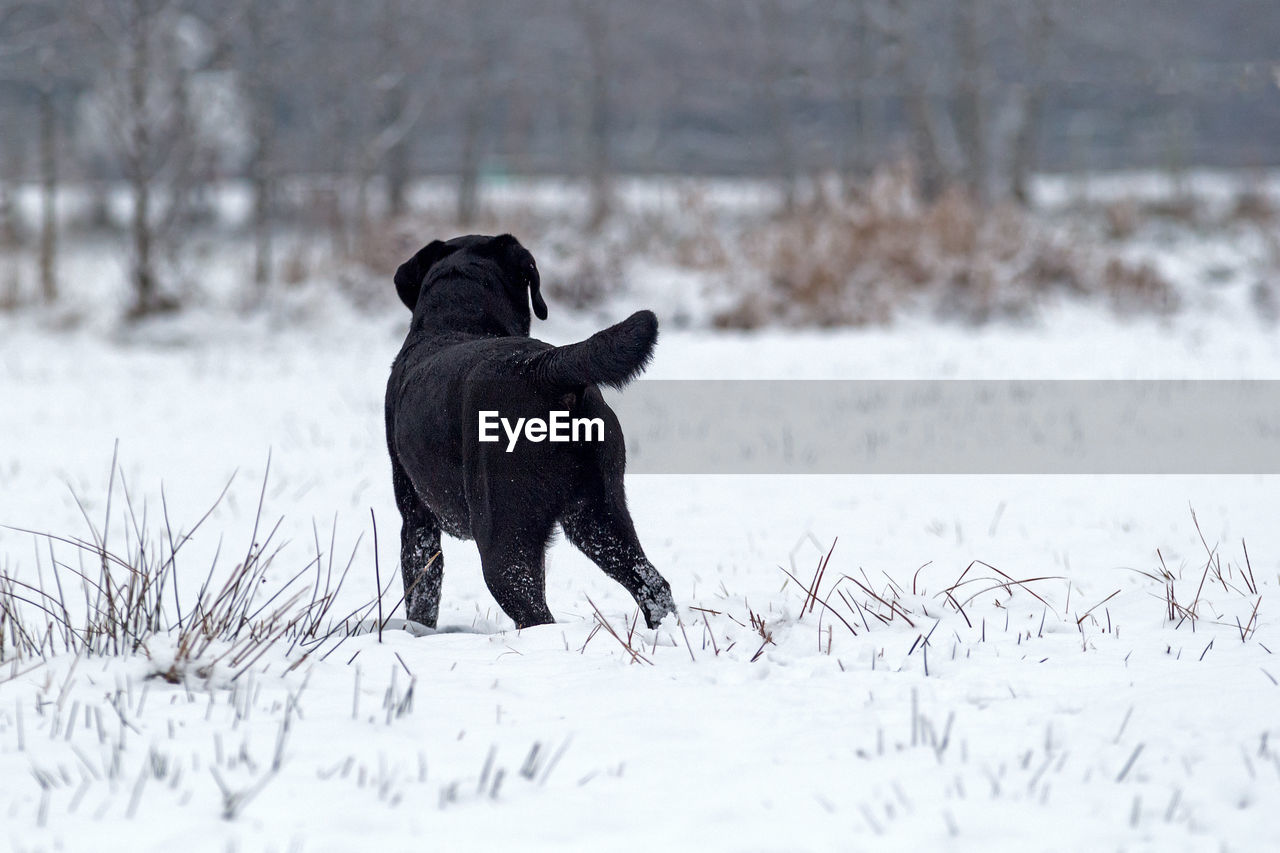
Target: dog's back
<point>468,355</point>
<point>439,385</point>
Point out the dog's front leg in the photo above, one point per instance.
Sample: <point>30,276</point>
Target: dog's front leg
<point>422,567</point>
<point>421,561</point>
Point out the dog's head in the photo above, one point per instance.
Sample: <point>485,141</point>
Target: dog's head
<point>494,274</point>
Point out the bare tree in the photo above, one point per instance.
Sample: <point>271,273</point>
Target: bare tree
<point>48,185</point>
<point>330,117</point>
<point>10,238</point>
<point>900,30</point>
<point>354,97</point>
<point>38,58</point>
<point>970,115</point>
<point>770,37</point>
<point>855,66</point>
<point>141,107</point>
<point>141,154</point>
<point>595,19</point>
<point>381,126</point>
<point>1039,37</point>
<point>258,47</point>
<point>395,86</point>
<point>478,60</point>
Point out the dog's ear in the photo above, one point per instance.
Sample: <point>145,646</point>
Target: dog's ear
<point>410,275</point>
<point>516,255</point>
<point>535,295</point>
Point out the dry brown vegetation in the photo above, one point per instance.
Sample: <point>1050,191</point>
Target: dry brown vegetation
<point>857,256</point>
<point>115,592</point>
<point>836,263</point>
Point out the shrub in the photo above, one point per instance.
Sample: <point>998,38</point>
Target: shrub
<point>865,259</point>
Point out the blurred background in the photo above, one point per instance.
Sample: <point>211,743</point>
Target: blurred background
<point>203,202</point>
<point>746,163</point>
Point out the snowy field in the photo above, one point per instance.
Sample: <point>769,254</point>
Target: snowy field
<point>1041,698</point>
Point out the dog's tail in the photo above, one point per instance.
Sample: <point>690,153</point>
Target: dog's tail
<point>612,356</point>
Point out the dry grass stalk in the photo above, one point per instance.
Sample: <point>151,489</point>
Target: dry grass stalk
<point>132,598</point>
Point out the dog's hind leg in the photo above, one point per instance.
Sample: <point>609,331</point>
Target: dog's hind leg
<point>515,572</point>
<point>511,528</point>
<point>601,528</point>
<point>421,561</point>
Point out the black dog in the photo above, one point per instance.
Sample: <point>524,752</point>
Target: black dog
<point>468,351</point>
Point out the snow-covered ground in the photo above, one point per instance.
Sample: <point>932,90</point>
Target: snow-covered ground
<point>1075,716</point>
<point>1039,698</point>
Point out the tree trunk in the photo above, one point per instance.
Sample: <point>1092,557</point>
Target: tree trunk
<point>1025,143</point>
<point>262,127</point>
<point>261,176</point>
<point>468,205</point>
<point>397,158</point>
<point>862,157</point>
<point>1027,137</point>
<point>11,296</point>
<point>933,175</point>
<point>855,148</point>
<point>594,15</point>
<point>776,106</point>
<point>262,243</point>
<point>144,280</point>
<point>394,106</point>
<point>601,186</point>
<point>970,118</point>
<point>398,179</point>
<point>48,196</point>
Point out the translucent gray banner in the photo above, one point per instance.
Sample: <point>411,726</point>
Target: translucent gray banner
<point>950,427</point>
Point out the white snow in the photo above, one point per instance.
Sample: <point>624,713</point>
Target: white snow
<point>1075,717</point>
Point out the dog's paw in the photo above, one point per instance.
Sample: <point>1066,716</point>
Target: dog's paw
<point>658,607</point>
